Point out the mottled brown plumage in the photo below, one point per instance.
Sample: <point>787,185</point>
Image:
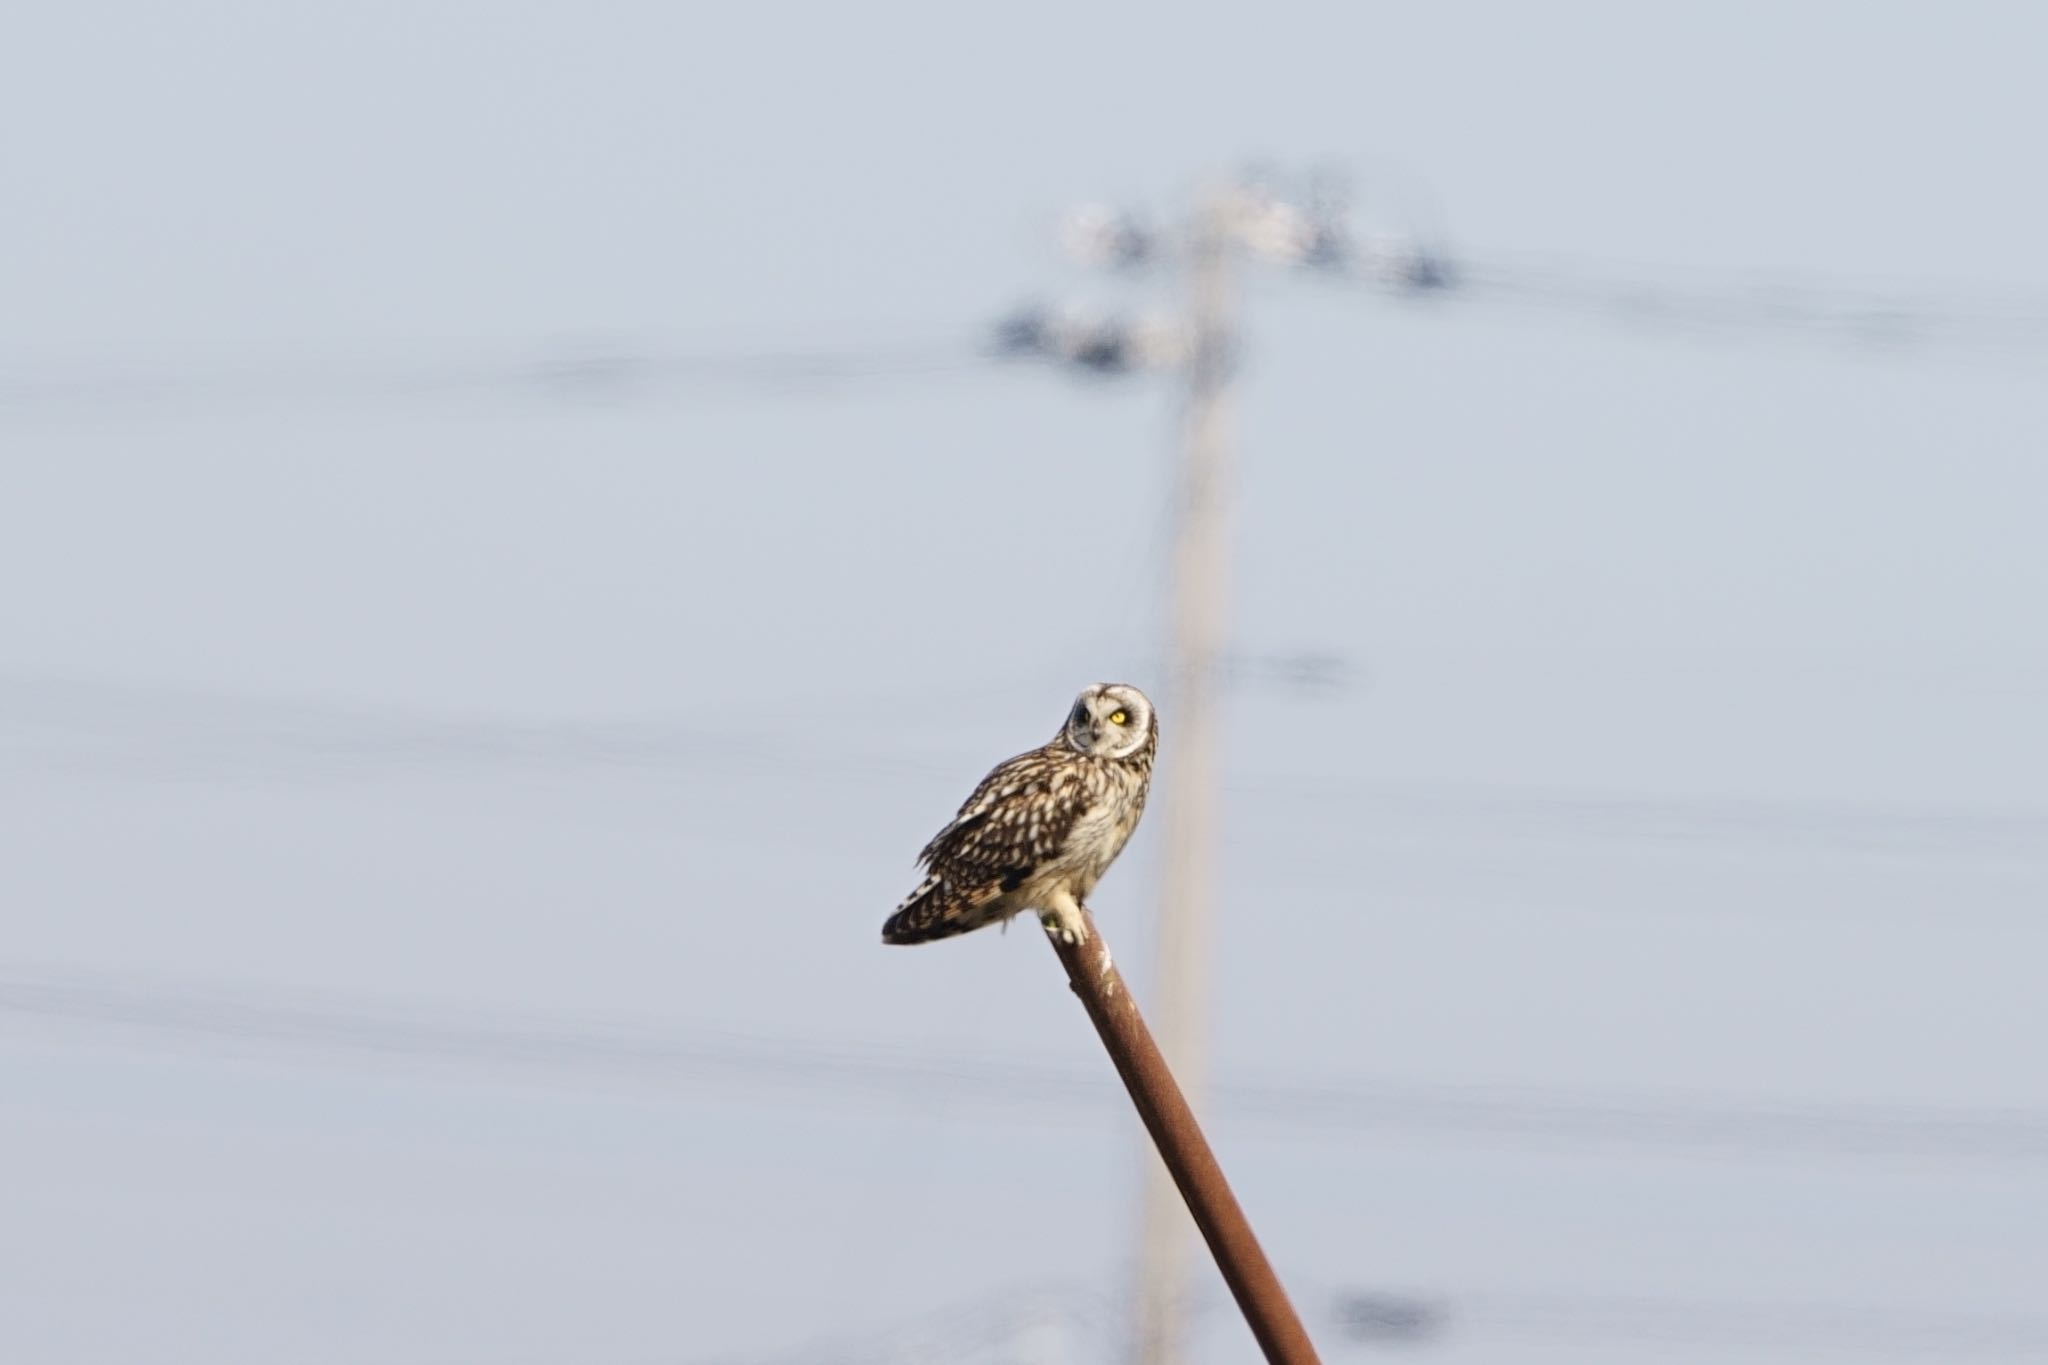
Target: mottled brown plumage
<point>1042,828</point>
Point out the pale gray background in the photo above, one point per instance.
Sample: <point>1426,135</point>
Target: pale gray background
<point>1697,765</point>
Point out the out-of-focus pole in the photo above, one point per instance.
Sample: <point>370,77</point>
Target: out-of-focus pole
<point>1190,807</point>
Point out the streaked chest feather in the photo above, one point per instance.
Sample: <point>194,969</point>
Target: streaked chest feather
<point>1102,829</point>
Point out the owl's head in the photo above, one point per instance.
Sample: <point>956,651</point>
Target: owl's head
<point>1109,720</point>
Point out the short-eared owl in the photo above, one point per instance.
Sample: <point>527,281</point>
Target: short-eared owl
<point>1041,829</point>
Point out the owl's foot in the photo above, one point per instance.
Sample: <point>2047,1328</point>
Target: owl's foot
<point>1069,926</point>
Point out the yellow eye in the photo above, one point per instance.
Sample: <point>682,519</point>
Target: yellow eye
<point>1119,718</point>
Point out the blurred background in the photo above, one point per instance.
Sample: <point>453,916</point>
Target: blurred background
<point>519,521</point>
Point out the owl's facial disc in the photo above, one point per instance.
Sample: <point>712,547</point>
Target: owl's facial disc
<point>1109,720</point>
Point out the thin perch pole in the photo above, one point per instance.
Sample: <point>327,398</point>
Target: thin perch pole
<point>1182,1147</point>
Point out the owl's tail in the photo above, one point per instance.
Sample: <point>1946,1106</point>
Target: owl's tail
<point>929,913</point>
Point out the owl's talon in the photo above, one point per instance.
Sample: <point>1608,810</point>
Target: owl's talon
<point>1068,929</point>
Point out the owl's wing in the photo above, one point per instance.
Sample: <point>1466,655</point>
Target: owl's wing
<point>1018,817</point>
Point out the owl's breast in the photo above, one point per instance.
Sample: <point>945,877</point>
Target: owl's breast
<point>1101,833</point>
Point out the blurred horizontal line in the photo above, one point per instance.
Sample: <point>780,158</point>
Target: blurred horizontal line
<point>1082,1310</point>
<point>1897,318</point>
<point>651,1058</point>
<point>100,730</point>
<point>1884,1329</point>
<point>571,373</point>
